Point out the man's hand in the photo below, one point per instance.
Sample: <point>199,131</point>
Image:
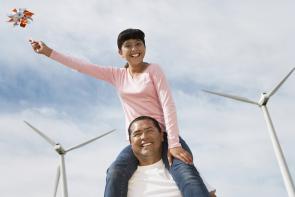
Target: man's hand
<point>179,153</point>
<point>40,47</point>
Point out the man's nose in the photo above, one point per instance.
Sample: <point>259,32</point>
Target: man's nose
<point>143,135</point>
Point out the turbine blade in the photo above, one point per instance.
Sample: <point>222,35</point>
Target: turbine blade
<point>50,141</point>
<point>89,141</point>
<point>280,84</point>
<point>56,181</point>
<point>243,99</point>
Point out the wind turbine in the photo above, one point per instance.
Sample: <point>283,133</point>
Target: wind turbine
<point>275,142</point>
<point>61,170</point>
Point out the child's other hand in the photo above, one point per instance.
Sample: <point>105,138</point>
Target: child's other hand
<point>40,47</point>
<point>213,193</point>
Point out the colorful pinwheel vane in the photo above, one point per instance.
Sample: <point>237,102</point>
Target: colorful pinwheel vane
<point>20,17</point>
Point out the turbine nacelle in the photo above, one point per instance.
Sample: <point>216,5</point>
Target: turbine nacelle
<point>59,149</point>
<point>263,99</point>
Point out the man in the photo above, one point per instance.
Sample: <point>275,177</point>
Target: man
<point>151,179</point>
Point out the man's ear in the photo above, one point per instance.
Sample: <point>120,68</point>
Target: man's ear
<point>130,139</point>
<point>162,136</point>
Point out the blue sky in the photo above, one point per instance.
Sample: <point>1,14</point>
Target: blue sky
<point>238,47</point>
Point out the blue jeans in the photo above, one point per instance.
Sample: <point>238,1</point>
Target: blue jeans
<point>186,176</point>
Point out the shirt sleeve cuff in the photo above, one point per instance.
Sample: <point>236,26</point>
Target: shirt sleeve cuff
<point>53,54</point>
<point>172,144</point>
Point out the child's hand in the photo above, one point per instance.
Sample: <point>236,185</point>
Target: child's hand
<point>213,193</point>
<point>40,47</point>
<point>181,154</point>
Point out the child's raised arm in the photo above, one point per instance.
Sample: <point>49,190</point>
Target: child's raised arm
<point>107,74</point>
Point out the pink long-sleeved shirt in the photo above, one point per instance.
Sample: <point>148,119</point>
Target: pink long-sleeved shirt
<point>146,94</point>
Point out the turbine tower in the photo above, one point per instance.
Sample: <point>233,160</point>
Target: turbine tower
<point>61,170</point>
<point>275,142</point>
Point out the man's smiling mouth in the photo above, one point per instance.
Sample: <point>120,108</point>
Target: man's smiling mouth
<point>146,144</point>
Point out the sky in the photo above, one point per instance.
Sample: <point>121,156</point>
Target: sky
<point>238,47</point>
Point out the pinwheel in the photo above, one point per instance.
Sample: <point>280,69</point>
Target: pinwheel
<point>20,17</point>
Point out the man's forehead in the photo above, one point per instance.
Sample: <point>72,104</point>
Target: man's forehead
<point>142,124</point>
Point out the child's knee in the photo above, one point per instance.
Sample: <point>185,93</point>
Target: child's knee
<point>115,172</point>
<point>186,171</point>
<point>119,170</point>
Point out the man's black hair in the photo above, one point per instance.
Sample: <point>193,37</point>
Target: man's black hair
<point>130,34</point>
<point>154,121</point>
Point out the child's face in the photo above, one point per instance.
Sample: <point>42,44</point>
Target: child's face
<point>133,50</point>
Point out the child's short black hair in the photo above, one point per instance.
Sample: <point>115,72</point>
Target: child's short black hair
<point>130,34</point>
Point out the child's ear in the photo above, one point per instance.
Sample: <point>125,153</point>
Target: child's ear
<point>120,52</point>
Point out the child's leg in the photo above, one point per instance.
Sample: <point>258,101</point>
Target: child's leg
<point>186,176</point>
<point>119,173</point>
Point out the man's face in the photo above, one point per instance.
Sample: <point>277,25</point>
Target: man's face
<point>146,141</point>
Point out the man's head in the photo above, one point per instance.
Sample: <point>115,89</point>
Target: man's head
<point>146,139</point>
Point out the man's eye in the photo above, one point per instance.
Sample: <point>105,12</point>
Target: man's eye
<point>150,131</point>
<point>136,134</point>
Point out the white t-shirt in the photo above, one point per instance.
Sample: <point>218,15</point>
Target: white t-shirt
<point>152,181</point>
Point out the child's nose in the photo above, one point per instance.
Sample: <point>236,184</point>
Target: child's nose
<point>133,48</point>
